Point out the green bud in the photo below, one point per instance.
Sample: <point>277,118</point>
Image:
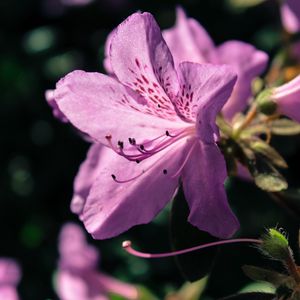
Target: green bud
<point>265,104</point>
<point>275,245</point>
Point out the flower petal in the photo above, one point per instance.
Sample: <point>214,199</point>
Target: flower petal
<point>113,207</point>
<point>289,20</point>
<point>10,272</point>
<point>115,286</point>
<point>188,40</point>
<point>8,292</point>
<point>106,61</point>
<point>49,95</point>
<point>204,90</point>
<point>99,106</point>
<point>142,61</point>
<point>203,183</point>
<point>248,62</point>
<point>87,173</point>
<point>75,252</point>
<point>294,6</point>
<point>73,286</point>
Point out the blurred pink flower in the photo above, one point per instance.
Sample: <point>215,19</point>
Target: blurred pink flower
<point>77,276</point>
<point>189,41</point>
<point>10,275</point>
<point>152,127</point>
<point>290,15</point>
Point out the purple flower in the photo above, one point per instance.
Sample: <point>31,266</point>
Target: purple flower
<point>153,128</point>
<point>77,277</point>
<point>188,41</point>
<point>290,15</point>
<point>10,275</point>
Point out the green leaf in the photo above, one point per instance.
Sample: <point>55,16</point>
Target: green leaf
<point>251,296</point>
<point>259,146</point>
<point>261,286</point>
<point>195,265</point>
<point>261,274</point>
<point>189,291</point>
<point>265,175</point>
<point>271,182</point>
<point>145,294</point>
<point>245,3</point>
<point>285,127</point>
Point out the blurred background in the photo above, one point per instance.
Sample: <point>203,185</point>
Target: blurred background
<point>41,41</point>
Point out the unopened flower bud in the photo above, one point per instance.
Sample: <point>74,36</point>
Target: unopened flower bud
<point>284,100</point>
<point>275,245</point>
<point>265,104</point>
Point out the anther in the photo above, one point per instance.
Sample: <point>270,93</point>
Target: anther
<point>108,137</point>
<point>131,141</point>
<point>121,144</point>
<point>142,147</point>
<point>167,133</point>
<point>113,176</point>
<point>165,171</point>
<point>137,161</point>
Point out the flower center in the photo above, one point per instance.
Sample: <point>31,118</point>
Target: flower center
<point>140,151</point>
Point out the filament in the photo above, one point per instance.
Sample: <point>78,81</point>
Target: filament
<point>166,140</point>
<point>127,247</point>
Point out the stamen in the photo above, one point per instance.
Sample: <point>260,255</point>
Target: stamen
<point>127,247</point>
<point>143,152</point>
<point>165,171</point>
<point>127,180</point>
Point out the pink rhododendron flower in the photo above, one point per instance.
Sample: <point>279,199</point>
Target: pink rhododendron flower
<point>290,15</point>
<point>153,127</point>
<point>188,41</point>
<point>10,275</point>
<point>77,277</point>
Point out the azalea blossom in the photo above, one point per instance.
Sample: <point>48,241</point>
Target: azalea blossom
<point>77,277</point>
<point>189,41</point>
<point>10,275</point>
<point>290,15</point>
<point>153,127</point>
<point>284,99</point>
